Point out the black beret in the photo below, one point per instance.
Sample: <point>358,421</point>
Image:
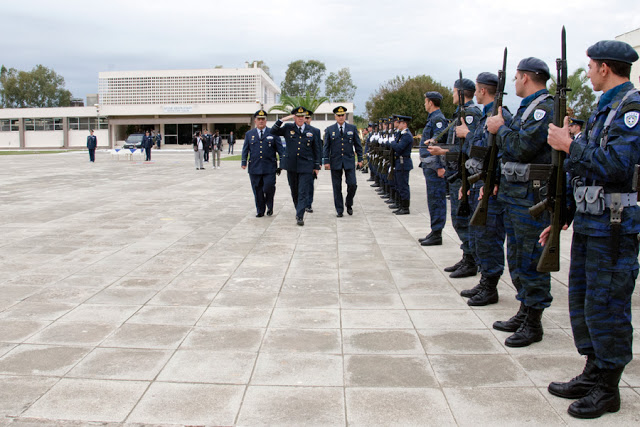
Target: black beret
<point>260,113</point>
<point>465,84</point>
<point>433,95</point>
<point>534,65</point>
<point>340,110</point>
<point>487,79</point>
<point>299,111</point>
<point>613,50</point>
<point>578,122</point>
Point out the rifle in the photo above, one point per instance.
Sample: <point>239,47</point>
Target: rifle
<point>463,207</point>
<point>491,164</point>
<point>556,201</point>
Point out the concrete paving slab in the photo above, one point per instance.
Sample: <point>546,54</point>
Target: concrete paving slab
<point>121,364</point>
<point>298,370</point>
<point>18,393</point>
<point>388,371</point>
<point>205,366</point>
<point>132,335</point>
<point>46,360</point>
<point>224,339</point>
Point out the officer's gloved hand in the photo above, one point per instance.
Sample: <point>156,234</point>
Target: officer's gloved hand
<point>278,170</point>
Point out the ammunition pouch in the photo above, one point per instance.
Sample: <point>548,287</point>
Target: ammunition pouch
<point>474,165</point>
<point>479,152</point>
<point>525,172</point>
<point>589,199</point>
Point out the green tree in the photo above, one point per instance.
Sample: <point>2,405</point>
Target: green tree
<point>264,66</point>
<point>360,122</point>
<point>40,87</point>
<point>405,96</point>
<point>581,98</point>
<point>339,86</point>
<point>310,101</point>
<point>303,77</point>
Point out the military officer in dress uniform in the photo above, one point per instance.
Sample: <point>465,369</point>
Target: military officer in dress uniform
<point>307,121</point>
<point>467,266</point>
<point>524,142</point>
<point>433,169</point>
<point>341,140</point>
<point>259,152</point>
<point>403,164</point>
<point>147,143</point>
<point>604,251</point>
<point>575,127</point>
<point>302,157</point>
<point>92,143</point>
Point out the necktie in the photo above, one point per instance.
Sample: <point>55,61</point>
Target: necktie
<point>341,133</point>
<point>300,129</point>
<point>260,134</point>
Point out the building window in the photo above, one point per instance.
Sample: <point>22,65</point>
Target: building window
<point>9,125</point>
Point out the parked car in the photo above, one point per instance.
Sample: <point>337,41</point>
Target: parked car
<point>133,141</point>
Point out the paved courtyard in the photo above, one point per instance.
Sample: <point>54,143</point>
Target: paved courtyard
<point>148,293</point>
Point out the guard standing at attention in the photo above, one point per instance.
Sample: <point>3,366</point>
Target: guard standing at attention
<point>92,143</point>
<point>259,152</point>
<point>604,251</point>
<point>403,164</point>
<point>147,143</point>
<point>341,140</point>
<point>301,158</point>
<point>433,169</point>
<point>158,140</point>
<point>307,121</point>
<point>522,143</point>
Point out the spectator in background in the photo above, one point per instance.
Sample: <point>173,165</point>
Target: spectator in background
<point>207,144</point>
<point>217,149</point>
<point>232,141</point>
<point>92,143</point>
<point>198,151</point>
<point>147,143</point>
<point>158,140</point>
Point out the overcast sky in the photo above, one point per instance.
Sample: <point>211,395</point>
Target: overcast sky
<point>377,40</point>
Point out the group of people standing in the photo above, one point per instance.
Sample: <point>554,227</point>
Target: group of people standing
<point>205,143</point>
<point>600,166</point>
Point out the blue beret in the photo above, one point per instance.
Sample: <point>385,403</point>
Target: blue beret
<point>487,79</point>
<point>613,50</point>
<point>534,65</point>
<point>340,110</point>
<point>465,84</point>
<point>433,95</point>
<point>260,113</point>
<point>299,111</point>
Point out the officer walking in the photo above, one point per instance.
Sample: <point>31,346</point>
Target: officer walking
<point>403,164</point>
<point>433,169</point>
<point>147,143</point>
<point>259,152</point>
<point>524,142</point>
<point>341,140</point>
<point>92,143</point>
<point>307,121</point>
<point>604,251</point>
<point>302,157</point>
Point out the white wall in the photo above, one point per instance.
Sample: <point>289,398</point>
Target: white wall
<point>10,139</point>
<point>78,138</point>
<point>43,139</point>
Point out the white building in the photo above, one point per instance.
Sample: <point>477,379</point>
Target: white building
<point>633,38</point>
<point>176,103</point>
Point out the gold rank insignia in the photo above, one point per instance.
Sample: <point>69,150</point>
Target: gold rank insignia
<point>340,110</point>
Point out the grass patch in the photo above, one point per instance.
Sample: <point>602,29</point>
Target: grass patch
<point>18,153</point>
<point>229,158</point>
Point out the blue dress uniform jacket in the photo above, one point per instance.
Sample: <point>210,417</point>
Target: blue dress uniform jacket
<point>436,123</point>
<point>260,154</point>
<point>402,151</point>
<point>147,141</point>
<point>92,142</point>
<point>338,150</point>
<point>303,151</point>
<point>602,278</point>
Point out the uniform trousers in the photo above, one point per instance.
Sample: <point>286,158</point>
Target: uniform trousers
<point>92,154</point>
<point>264,188</point>
<point>436,198</point>
<point>299,184</point>
<point>460,222</point>
<point>488,240</point>
<point>401,178</point>
<point>147,153</point>
<point>600,297</point>
<point>352,185</point>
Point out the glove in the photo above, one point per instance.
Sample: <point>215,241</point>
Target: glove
<point>278,170</point>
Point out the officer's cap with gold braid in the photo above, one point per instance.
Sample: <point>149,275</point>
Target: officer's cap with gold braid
<point>260,114</point>
<point>299,111</point>
<point>340,110</point>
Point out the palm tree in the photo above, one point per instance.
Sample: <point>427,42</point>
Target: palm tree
<point>310,101</point>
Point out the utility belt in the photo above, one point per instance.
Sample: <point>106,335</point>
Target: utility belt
<point>592,200</point>
<point>525,172</point>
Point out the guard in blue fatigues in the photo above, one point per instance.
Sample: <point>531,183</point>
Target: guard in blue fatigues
<point>307,121</point>
<point>301,159</point>
<point>147,143</point>
<point>604,251</point>
<point>403,164</point>
<point>158,140</point>
<point>259,153</point>
<point>488,240</point>
<point>92,143</point>
<point>523,143</point>
<point>341,140</point>
<point>433,169</point>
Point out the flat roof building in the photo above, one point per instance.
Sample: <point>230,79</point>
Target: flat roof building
<point>176,103</point>
<point>633,38</point>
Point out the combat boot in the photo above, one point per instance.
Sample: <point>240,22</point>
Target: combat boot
<point>455,266</point>
<point>392,199</point>
<point>467,269</point>
<point>468,293</point>
<point>404,209</point>
<point>529,332</point>
<point>397,202</point>
<point>487,295</point>
<point>514,323</point>
<point>427,237</point>
<point>433,239</point>
<point>579,386</point>
<point>602,398</point>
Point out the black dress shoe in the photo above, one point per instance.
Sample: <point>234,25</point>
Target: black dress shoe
<point>270,212</point>
<point>339,215</point>
<point>349,210</point>
<point>299,221</point>
<point>308,210</point>
<point>260,215</point>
